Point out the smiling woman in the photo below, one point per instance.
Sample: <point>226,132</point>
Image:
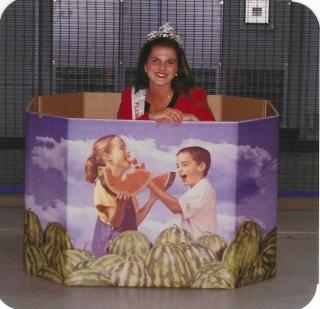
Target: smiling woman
<point>163,89</point>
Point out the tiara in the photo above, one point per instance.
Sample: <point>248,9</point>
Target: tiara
<point>165,31</point>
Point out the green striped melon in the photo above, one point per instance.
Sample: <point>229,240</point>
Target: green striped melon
<point>217,244</point>
<point>51,252</point>
<point>34,259</point>
<point>215,275</point>
<point>244,248</point>
<point>130,242</point>
<point>169,266</point>
<point>254,273</point>
<point>264,266</point>
<point>87,277</point>
<point>56,234</point>
<point>131,274</point>
<point>136,258</point>
<point>175,235</point>
<point>269,249</point>
<point>199,255</point>
<point>105,264</point>
<point>49,274</point>
<point>70,260</point>
<point>33,233</point>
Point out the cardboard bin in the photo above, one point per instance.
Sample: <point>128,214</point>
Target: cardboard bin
<point>224,238</point>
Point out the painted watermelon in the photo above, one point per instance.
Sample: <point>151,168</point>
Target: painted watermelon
<point>69,260</point>
<point>199,255</point>
<point>269,249</point>
<point>137,258</point>
<point>57,235</point>
<point>215,275</point>
<point>87,277</point>
<point>254,273</point>
<point>169,266</point>
<point>50,274</point>
<point>244,248</point>
<point>164,181</point>
<point>175,235</point>
<point>264,266</point>
<point>34,259</point>
<point>105,264</point>
<point>131,274</point>
<point>217,244</point>
<point>133,183</point>
<point>51,252</point>
<point>130,242</point>
<point>33,233</point>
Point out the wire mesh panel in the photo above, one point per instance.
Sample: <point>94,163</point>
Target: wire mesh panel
<point>18,84</point>
<point>278,60</point>
<point>57,46</point>
<point>299,156</point>
<point>85,45</point>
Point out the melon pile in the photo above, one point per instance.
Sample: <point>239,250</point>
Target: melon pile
<point>174,260</point>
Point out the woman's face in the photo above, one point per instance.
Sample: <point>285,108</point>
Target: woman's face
<point>161,66</point>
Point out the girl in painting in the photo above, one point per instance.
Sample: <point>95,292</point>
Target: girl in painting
<point>116,213</point>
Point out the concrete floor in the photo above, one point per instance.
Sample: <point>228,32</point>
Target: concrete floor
<point>294,286</point>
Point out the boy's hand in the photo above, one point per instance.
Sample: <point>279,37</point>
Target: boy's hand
<point>152,197</point>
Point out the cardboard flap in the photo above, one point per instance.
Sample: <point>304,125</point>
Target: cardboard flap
<point>105,106</point>
<point>232,108</point>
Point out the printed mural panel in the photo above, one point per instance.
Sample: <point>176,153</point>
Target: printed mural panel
<point>66,239</point>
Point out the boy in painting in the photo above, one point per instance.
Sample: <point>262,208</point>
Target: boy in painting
<point>197,205</point>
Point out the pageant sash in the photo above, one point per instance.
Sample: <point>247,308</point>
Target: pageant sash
<point>138,102</point>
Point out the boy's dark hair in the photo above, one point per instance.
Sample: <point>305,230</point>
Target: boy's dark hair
<point>200,155</point>
<point>181,83</point>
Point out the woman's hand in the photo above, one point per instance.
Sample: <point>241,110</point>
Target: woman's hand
<point>190,117</point>
<point>167,115</point>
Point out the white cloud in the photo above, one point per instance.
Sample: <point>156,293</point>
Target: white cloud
<point>49,154</point>
<point>53,212</point>
<point>253,160</point>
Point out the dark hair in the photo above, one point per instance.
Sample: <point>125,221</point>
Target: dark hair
<point>182,82</point>
<point>200,155</point>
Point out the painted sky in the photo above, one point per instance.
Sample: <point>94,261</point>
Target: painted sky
<point>242,174</point>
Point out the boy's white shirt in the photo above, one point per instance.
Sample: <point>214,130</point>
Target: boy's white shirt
<point>198,205</point>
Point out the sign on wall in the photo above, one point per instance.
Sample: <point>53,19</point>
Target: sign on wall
<point>257,11</point>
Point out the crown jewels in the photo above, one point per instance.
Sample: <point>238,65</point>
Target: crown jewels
<point>165,31</point>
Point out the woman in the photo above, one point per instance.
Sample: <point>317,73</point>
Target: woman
<point>163,89</point>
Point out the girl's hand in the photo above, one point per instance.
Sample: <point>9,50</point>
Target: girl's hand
<point>167,115</point>
<point>123,196</point>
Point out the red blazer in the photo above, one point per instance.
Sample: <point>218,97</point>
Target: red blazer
<point>195,103</point>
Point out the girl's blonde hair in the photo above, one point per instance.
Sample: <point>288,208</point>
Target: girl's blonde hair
<point>100,147</point>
